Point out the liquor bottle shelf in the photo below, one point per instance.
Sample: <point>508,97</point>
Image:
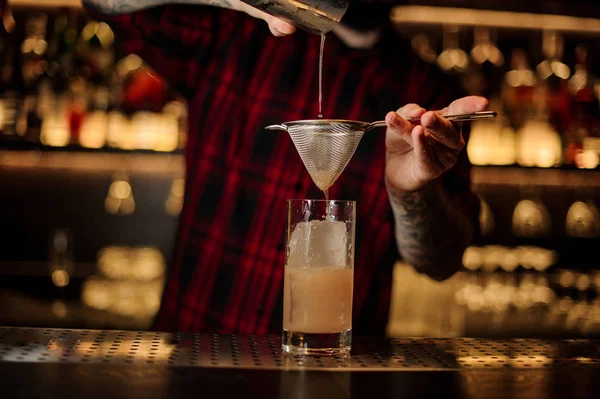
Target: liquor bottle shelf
<point>521,176</point>
<point>419,14</point>
<point>93,161</point>
<point>46,3</point>
<point>173,163</point>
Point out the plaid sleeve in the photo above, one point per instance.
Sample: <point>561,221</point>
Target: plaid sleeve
<point>174,40</point>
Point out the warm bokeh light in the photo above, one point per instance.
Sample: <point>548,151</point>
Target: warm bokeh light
<point>59,308</point>
<point>484,50</point>
<point>452,58</point>
<point>491,144</point>
<point>128,64</point>
<point>120,189</point>
<point>55,131</point>
<point>60,278</point>
<point>145,129</point>
<point>493,257</point>
<point>167,133</point>
<point>548,68</point>
<point>119,200</point>
<point>174,203</point>
<point>583,220</point>
<point>587,159</point>
<point>93,130</point>
<point>130,282</point>
<point>118,131</point>
<point>97,294</point>
<point>520,77</point>
<point>140,264</point>
<point>530,219</point>
<point>538,144</point>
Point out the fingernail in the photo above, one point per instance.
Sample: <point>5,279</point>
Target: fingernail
<point>393,120</point>
<point>286,28</point>
<point>432,120</point>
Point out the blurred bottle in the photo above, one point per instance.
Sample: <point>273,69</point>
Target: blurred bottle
<point>518,90</point>
<point>538,106</point>
<point>61,52</point>
<point>10,82</point>
<point>96,52</point>
<point>486,218</point>
<point>33,67</point>
<point>118,125</point>
<point>538,143</point>
<point>584,107</point>
<point>61,258</point>
<point>483,74</point>
<point>583,220</point>
<point>69,90</point>
<point>452,59</point>
<point>531,218</point>
<point>553,74</point>
<point>492,142</point>
<point>94,125</point>
<point>422,46</point>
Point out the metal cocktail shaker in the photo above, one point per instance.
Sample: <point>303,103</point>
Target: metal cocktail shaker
<point>314,16</point>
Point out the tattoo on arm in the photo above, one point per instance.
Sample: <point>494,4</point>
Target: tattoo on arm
<point>126,6</point>
<point>430,231</point>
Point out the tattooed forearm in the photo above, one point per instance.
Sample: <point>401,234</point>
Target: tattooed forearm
<point>431,232</point>
<point>127,6</point>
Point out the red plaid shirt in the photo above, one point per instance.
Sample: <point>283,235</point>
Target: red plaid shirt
<point>227,271</point>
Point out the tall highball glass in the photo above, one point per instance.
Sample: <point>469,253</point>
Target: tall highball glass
<point>318,282</point>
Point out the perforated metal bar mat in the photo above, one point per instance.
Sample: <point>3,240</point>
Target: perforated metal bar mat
<point>230,351</point>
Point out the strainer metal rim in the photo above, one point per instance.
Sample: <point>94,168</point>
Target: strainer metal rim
<point>335,202</point>
<point>325,121</point>
<point>360,127</point>
<point>356,127</point>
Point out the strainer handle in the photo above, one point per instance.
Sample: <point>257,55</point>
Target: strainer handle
<point>475,116</point>
<point>277,127</point>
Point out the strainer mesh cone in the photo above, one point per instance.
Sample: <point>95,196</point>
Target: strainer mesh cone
<point>325,149</point>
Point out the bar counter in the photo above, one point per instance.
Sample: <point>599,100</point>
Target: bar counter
<point>61,363</point>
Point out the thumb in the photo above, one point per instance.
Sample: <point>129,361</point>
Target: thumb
<point>277,26</point>
<point>467,105</point>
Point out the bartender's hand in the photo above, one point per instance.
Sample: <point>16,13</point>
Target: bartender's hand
<point>277,26</point>
<point>418,154</point>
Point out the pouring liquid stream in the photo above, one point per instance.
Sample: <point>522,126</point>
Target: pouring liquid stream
<point>320,115</point>
<point>328,206</point>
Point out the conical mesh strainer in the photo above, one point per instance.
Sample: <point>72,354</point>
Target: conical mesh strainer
<point>327,145</point>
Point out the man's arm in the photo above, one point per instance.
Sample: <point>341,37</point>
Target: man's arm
<point>427,176</point>
<point>431,231</point>
<point>128,6</point>
<point>277,26</point>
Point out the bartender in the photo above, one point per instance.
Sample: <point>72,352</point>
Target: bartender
<point>240,74</point>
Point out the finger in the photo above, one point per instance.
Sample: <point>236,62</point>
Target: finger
<point>424,153</point>
<point>397,123</point>
<point>442,130</point>
<point>276,26</point>
<point>411,111</point>
<point>279,27</point>
<point>467,105</point>
<point>399,127</point>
